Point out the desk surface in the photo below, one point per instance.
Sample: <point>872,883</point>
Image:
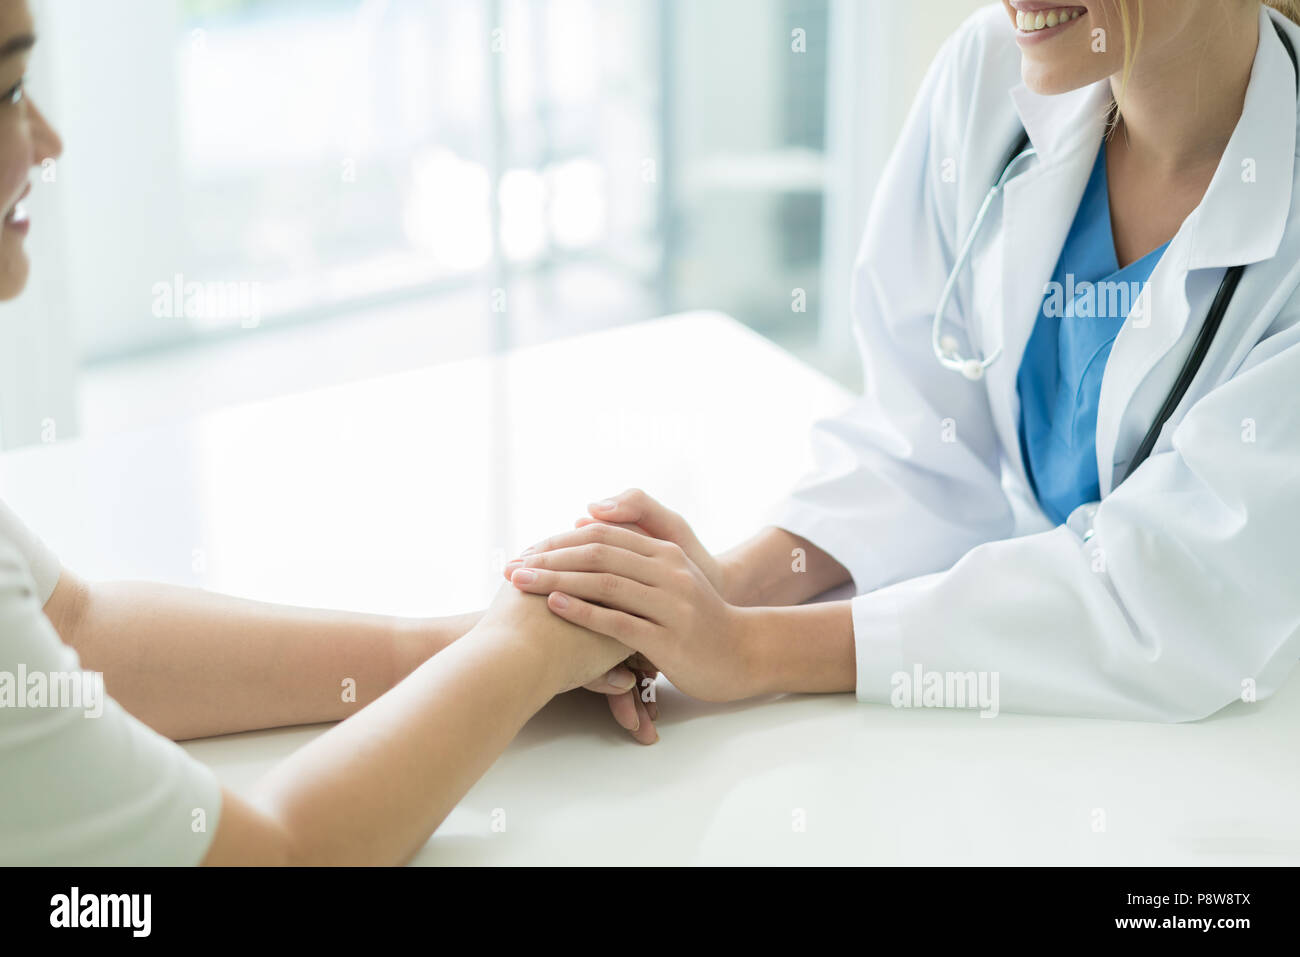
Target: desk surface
<point>404,494</point>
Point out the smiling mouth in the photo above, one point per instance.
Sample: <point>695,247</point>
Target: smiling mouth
<point>17,215</point>
<point>1032,21</point>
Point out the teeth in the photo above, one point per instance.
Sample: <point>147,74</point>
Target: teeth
<point>1045,19</point>
<point>18,214</point>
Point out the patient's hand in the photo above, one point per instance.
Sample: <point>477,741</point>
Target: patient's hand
<point>629,688</point>
<point>638,512</point>
<point>634,709</point>
<point>621,678</point>
<point>573,656</point>
<point>652,597</point>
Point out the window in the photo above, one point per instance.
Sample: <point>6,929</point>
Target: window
<point>344,153</point>
<point>306,163</point>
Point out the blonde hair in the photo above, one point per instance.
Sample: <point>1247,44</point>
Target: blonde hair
<point>1132,40</point>
<point>1288,8</point>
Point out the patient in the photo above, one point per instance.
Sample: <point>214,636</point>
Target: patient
<point>429,704</point>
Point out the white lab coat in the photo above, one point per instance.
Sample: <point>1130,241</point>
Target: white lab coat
<point>1179,592</point>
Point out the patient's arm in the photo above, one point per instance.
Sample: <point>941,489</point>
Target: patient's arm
<point>191,663</point>
<point>372,789</point>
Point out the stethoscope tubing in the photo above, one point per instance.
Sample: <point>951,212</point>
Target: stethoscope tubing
<point>945,347</point>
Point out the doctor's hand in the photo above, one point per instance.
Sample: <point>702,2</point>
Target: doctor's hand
<point>628,688</point>
<point>648,595</point>
<point>636,510</point>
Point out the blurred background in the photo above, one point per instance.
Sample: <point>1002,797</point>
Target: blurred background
<point>259,197</point>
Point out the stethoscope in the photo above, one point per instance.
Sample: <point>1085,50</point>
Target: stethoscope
<point>946,347</point>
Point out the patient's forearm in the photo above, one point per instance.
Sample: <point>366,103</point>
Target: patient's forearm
<point>372,789</point>
<point>191,663</point>
<point>778,568</point>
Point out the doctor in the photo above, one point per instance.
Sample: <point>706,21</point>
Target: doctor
<point>1092,498</point>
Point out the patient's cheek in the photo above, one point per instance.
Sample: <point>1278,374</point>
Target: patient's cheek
<point>15,169</point>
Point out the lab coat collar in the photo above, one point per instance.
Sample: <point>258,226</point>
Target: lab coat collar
<point>1065,123</point>
<point>1037,211</point>
<point>1243,215</point>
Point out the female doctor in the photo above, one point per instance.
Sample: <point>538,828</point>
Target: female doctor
<point>1094,500</point>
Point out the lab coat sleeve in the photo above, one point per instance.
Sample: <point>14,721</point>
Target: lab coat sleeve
<point>909,478</point>
<point>1183,600</point>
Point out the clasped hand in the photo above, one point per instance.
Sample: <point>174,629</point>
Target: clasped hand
<point>633,571</point>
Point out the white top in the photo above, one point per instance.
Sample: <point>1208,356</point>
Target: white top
<point>81,781</point>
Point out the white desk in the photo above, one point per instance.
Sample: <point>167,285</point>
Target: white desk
<point>443,471</point>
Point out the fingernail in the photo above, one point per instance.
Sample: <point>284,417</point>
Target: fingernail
<point>559,601</point>
<point>624,683</point>
<point>529,550</point>
<point>517,563</point>
<point>523,576</point>
<point>604,506</point>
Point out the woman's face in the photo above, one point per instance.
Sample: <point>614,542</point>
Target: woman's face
<point>26,140</point>
<point>1066,46</point>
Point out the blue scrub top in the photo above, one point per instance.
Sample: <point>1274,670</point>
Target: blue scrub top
<point>1059,381</point>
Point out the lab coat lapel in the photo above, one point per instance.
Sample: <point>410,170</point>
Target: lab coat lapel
<point>1153,327</point>
<point>1241,220</point>
<point>1038,209</point>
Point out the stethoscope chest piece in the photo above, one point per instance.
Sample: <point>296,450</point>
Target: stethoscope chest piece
<point>972,369</point>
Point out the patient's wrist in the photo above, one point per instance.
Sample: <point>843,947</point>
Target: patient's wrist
<point>443,631</point>
<point>733,586</point>
<point>416,640</point>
